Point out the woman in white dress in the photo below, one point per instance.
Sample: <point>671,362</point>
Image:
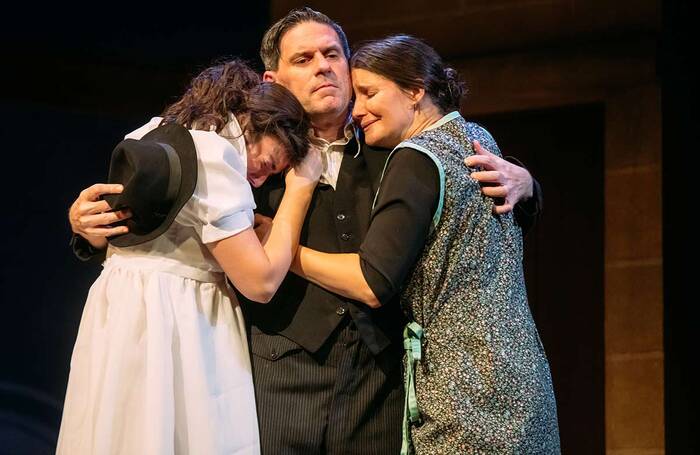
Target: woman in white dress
<point>160,364</point>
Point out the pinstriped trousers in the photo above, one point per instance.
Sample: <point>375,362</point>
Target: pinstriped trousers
<point>340,400</point>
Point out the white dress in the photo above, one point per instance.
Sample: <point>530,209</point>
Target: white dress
<point>161,364</point>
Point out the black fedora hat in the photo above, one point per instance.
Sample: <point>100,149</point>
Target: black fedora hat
<point>159,175</point>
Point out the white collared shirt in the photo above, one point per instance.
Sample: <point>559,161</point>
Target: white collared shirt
<point>332,154</point>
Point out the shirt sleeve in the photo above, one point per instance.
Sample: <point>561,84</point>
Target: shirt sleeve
<point>400,222</point>
<point>141,131</point>
<point>528,212</point>
<point>83,250</point>
<point>222,204</point>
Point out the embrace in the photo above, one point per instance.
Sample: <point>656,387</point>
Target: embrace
<point>323,274</point>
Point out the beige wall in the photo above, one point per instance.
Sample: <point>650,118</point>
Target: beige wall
<point>633,273</point>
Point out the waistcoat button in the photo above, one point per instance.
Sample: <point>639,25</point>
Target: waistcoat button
<point>340,311</point>
<point>346,236</point>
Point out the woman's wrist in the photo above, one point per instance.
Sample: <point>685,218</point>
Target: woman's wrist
<point>299,190</point>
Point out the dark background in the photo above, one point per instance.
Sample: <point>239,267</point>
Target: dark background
<point>74,82</point>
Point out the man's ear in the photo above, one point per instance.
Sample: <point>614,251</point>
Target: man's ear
<point>269,76</point>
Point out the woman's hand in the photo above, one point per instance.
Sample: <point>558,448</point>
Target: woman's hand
<point>306,174</point>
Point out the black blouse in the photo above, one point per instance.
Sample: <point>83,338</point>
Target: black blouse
<point>401,220</point>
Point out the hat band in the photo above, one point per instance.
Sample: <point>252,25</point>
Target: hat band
<point>175,172</point>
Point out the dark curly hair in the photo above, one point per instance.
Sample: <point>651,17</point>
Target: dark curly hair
<point>262,108</point>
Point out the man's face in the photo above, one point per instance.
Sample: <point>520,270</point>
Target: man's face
<point>313,67</point>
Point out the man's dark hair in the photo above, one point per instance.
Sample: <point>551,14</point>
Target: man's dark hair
<point>270,46</point>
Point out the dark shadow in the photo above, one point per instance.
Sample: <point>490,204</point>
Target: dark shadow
<point>74,82</point>
<point>564,263</point>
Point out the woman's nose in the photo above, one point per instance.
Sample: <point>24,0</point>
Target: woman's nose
<point>358,109</point>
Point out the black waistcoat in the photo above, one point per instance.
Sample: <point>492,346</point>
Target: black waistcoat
<point>336,222</point>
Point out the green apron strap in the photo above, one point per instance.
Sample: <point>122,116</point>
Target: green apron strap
<point>441,172</point>
<point>412,338</point>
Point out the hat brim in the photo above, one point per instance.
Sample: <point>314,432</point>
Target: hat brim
<point>180,139</point>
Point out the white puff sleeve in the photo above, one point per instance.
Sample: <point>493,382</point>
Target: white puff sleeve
<point>222,204</point>
<point>138,133</point>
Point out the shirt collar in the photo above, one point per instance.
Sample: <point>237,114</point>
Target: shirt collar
<point>350,131</point>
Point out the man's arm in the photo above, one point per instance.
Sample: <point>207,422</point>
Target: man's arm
<point>511,185</point>
<point>91,218</point>
<point>527,211</point>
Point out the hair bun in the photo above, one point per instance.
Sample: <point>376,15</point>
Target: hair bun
<point>411,64</point>
<point>455,87</point>
<point>450,73</point>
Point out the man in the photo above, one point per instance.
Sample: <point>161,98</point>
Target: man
<point>327,369</point>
